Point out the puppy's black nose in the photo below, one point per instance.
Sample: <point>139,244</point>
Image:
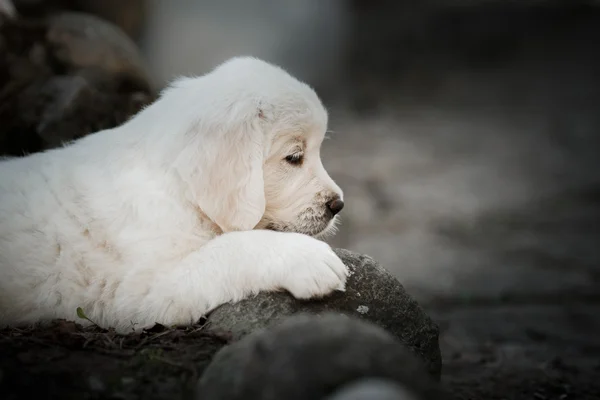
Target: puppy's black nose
<point>335,205</point>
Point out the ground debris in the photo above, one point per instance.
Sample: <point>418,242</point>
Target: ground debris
<point>65,360</point>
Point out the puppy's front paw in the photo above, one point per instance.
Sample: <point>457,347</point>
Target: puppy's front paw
<point>314,269</point>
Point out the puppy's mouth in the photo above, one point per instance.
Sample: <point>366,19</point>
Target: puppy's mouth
<point>318,228</point>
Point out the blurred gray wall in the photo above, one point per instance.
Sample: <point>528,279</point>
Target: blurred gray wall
<point>186,37</point>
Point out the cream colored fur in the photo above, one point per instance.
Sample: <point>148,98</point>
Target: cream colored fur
<point>192,203</point>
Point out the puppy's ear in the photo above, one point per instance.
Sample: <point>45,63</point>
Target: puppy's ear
<point>229,186</point>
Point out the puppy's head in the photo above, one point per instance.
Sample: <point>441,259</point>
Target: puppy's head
<point>252,151</point>
<point>300,195</point>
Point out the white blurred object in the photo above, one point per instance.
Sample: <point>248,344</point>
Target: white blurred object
<point>373,389</point>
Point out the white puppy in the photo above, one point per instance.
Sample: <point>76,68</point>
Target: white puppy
<point>207,196</point>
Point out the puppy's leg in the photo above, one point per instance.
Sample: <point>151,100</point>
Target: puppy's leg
<point>229,268</point>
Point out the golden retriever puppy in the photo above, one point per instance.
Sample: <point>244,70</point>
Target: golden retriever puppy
<point>214,192</point>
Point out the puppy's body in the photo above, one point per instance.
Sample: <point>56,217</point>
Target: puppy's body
<point>156,220</point>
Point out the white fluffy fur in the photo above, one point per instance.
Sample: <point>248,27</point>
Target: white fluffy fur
<point>163,218</point>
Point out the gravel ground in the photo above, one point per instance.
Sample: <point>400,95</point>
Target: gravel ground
<point>492,223</point>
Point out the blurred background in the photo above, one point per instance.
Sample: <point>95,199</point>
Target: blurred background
<point>465,134</point>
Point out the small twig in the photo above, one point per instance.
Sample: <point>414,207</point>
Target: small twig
<point>151,338</point>
<point>119,353</point>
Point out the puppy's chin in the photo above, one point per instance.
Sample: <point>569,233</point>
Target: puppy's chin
<point>330,230</point>
<point>319,229</point>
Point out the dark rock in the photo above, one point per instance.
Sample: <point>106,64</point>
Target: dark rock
<point>65,77</point>
<point>309,356</point>
<point>128,15</point>
<point>81,41</point>
<point>371,293</point>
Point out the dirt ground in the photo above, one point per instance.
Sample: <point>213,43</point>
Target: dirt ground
<point>69,362</point>
<point>521,351</point>
<point>492,224</point>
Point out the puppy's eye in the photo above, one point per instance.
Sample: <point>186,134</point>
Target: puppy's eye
<point>295,159</point>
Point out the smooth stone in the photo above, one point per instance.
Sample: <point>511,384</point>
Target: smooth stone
<point>373,389</point>
<point>308,356</point>
<point>372,293</point>
<point>83,41</point>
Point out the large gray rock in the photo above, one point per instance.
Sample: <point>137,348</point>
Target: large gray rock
<point>83,41</point>
<point>64,77</point>
<point>371,293</point>
<point>309,356</point>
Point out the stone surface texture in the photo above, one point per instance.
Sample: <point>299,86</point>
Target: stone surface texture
<point>371,293</point>
<point>308,356</point>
